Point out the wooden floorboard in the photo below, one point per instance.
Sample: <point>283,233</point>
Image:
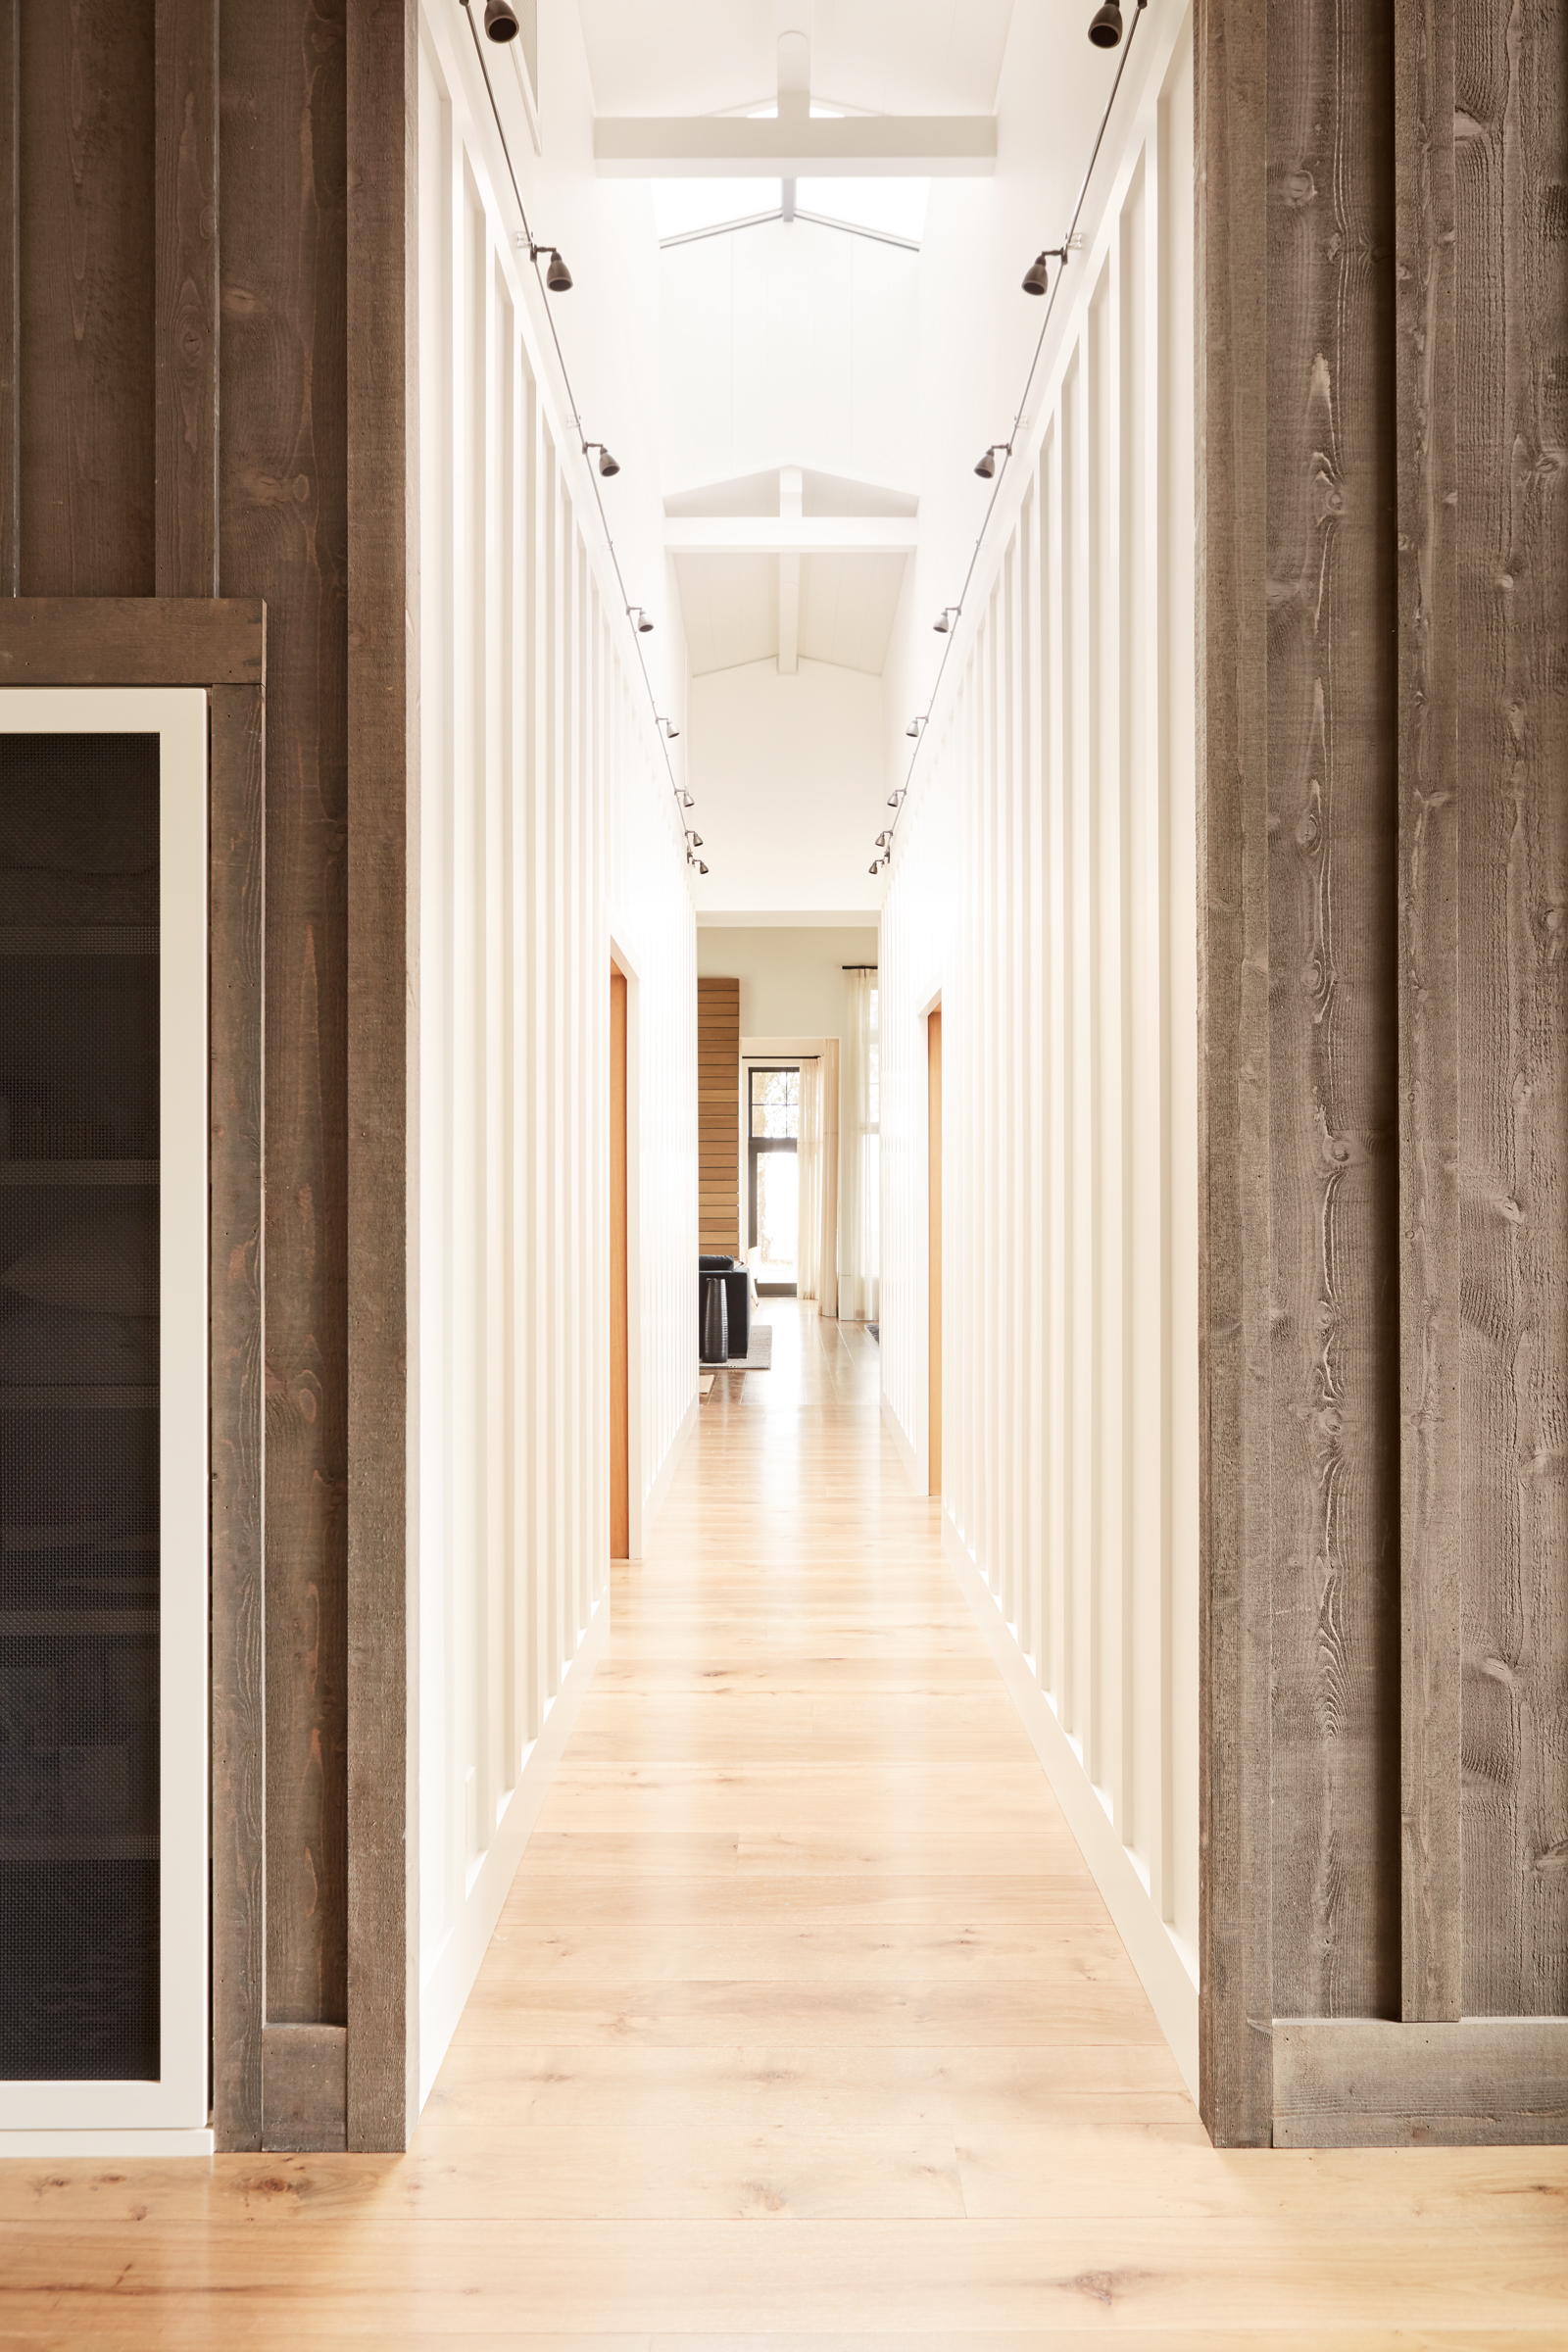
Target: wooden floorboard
<point>804,2027</point>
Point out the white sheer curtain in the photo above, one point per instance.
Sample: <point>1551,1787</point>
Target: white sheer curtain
<point>809,1160</point>
<point>860,1187</point>
<point>817,1251</point>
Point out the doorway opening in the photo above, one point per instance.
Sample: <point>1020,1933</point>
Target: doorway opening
<point>773,1175</point>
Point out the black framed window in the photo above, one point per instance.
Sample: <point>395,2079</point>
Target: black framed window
<point>772,1186</point>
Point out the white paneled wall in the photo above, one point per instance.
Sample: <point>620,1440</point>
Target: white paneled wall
<point>1044,887</point>
<point>546,835</point>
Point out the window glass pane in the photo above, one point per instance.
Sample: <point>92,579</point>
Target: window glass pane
<point>778,1199</point>
<point>776,1104</point>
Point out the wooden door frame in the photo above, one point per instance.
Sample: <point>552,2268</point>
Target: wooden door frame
<point>218,645</point>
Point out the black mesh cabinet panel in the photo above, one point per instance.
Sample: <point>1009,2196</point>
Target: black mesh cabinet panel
<point>80,1869</point>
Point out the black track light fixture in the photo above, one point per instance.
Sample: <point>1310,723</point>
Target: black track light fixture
<point>987,466</point>
<point>1037,277</point>
<point>701,867</point>
<point>684,796</point>
<point>882,840</point>
<point>1105,26</point>
<point>558,277</point>
<point>946,619</point>
<point>501,21</point>
<point>695,839</point>
<point>896,796</point>
<point>913,730</point>
<point>608,464</point>
<point>645,625</point>
<point>875,866</point>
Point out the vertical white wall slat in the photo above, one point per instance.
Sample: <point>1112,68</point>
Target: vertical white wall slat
<point>1043,886</point>
<point>546,828</point>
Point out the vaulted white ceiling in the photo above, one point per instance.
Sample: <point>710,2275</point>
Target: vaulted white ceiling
<point>696,57</point>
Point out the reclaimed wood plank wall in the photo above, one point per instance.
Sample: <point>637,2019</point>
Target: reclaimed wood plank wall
<point>718,1098</point>
<point>174,420</point>
<point>1384,821</point>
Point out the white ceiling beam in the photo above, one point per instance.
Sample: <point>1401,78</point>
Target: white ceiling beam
<point>794,145</point>
<point>790,535</point>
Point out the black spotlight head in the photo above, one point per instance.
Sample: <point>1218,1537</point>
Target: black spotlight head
<point>606,463</point>
<point>1105,30</point>
<point>558,277</point>
<point>874,865</point>
<point>501,21</point>
<point>987,466</point>
<point>701,867</point>
<point>1037,275</point>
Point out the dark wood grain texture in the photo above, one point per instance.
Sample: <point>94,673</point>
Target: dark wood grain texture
<point>10,295</point>
<point>187,351</point>
<point>86,217</point>
<point>304,2071</point>
<point>1371,2083</point>
<point>282,534</point>
<point>123,641</point>
<point>1429,658</point>
<point>382,101</point>
<point>1511,370</point>
<point>1332,773</point>
<point>1235,2003</point>
<point>237,1407</point>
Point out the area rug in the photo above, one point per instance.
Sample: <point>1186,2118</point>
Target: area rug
<point>761,1358</point>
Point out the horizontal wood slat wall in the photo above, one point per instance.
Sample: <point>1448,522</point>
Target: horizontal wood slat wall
<point>718,1117</point>
<point>1384,813</point>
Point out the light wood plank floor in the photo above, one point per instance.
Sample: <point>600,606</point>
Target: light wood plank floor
<point>804,2026</point>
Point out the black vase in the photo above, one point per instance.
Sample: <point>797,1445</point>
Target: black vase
<point>715,1320</point>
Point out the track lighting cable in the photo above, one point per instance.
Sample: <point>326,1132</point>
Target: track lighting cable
<point>534,251</point>
<point>1003,449</point>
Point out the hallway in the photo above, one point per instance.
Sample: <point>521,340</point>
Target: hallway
<point>805,2024</point>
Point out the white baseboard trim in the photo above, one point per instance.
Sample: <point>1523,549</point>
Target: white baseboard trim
<point>1153,1951</point>
<point>907,1452</point>
<point>457,1964</point>
<point>59,2145</point>
<point>667,1468</point>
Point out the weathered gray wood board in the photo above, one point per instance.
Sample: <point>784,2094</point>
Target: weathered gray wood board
<point>1429,1433</point>
<point>1236,1987</point>
<point>282,534</point>
<point>302,2072</point>
<point>1383,340</point>
<point>1368,2082</point>
<point>1332,765</point>
<point>384,755</point>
